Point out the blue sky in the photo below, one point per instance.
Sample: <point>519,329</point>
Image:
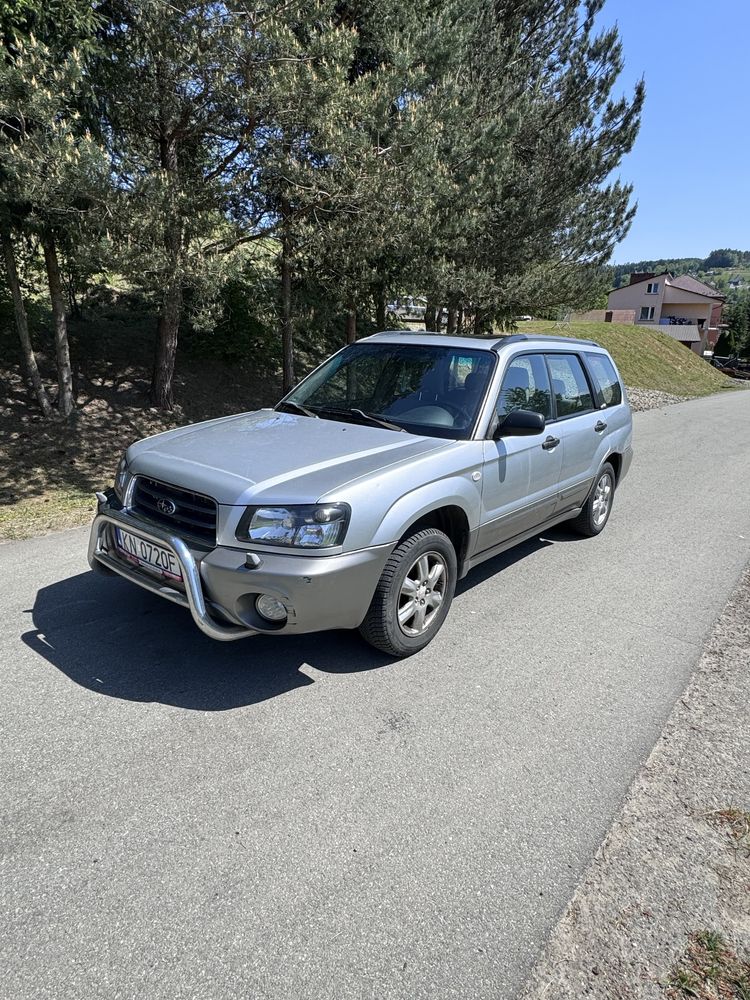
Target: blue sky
<point>689,164</point>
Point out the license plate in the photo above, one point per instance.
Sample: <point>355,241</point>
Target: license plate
<point>154,558</point>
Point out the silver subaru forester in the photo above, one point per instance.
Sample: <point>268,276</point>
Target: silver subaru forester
<point>361,498</point>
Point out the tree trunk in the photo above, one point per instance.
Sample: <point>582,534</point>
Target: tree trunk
<point>287,338</point>
<point>22,325</point>
<point>60,320</point>
<point>478,322</point>
<point>74,308</point>
<point>460,321</point>
<point>166,345</point>
<point>452,321</point>
<point>430,317</point>
<point>351,324</point>
<point>171,307</point>
<point>381,309</point>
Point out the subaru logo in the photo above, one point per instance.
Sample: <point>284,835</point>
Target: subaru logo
<point>166,506</point>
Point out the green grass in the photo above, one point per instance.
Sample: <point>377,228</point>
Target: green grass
<point>709,970</point>
<point>646,359</point>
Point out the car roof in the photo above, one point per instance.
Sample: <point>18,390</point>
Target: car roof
<point>489,343</point>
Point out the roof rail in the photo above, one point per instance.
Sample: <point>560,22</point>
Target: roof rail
<point>517,337</point>
<point>494,343</point>
<point>511,338</point>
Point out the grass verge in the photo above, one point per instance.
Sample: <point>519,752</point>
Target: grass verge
<point>55,509</point>
<point>647,359</point>
<point>709,970</point>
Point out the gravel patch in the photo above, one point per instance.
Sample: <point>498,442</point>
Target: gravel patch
<point>651,399</point>
<point>677,860</point>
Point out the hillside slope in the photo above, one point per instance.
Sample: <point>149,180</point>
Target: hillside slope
<point>646,359</point>
<point>48,472</point>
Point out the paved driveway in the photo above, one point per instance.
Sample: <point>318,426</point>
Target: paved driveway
<point>305,819</point>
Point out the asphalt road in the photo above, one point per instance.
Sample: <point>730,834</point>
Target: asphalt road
<point>295,819</point>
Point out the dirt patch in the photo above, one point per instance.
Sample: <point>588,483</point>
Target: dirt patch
<point>49,471</point>
<point>665,905</point>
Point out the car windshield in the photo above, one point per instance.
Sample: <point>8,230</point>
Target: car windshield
<point>432,390</point>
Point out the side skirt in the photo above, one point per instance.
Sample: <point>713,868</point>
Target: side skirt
<point>480,557</point>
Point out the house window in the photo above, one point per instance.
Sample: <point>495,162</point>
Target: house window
<point>652,288</point>
<point>647,312</point>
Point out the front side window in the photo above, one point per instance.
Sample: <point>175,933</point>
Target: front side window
<point>652,288</point>
<point>647,312</point>
<point>525,387</point>
<point>605,377</point>
<point>432,390</point>
<point>569,384</point>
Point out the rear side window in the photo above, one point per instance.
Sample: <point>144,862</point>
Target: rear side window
<point>569,385</point>
<point>605,378</point>
<point>525,387</point>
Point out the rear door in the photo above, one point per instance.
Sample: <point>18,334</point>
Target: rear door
<point>521,474</point>
<point>577,425</point>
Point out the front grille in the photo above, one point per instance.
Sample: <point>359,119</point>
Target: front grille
<point>193,515</point>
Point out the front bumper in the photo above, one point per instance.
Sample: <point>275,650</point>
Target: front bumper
<point>219,588</point>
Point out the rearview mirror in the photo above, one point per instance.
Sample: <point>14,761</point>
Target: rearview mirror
<point>519,423</point>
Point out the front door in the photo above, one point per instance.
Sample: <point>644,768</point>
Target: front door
<point>521,474</point>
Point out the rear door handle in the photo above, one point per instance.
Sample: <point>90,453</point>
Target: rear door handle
<point>550,443</point>
<point>600,426</point>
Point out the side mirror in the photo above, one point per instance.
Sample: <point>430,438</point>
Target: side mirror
<point>519,423</point>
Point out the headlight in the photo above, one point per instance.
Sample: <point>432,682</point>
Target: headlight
<point>122,477</point>
<point>314,526</point>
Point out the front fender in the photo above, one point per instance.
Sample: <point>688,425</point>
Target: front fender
<point>457,491</point>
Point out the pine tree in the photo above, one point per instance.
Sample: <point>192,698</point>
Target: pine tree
<point>307,118</point>
<point>527,214</point>
<point>179,110</point>
<point>50,165</point>
<point>363,247</point>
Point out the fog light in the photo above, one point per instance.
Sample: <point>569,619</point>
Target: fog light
<point>270,608</point>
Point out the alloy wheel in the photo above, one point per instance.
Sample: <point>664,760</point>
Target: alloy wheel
<point>602,499</point>
<point>422,593</point>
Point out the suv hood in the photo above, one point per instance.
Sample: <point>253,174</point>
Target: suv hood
<point>268,456</point>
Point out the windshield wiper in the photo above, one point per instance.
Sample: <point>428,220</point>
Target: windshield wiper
<point>375,419</point>
<point>297,407</point>
<point>341,413</point>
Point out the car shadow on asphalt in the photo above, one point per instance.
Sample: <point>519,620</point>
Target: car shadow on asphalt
<point>113,638</point>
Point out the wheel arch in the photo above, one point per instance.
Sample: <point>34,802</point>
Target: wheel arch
<point>615,460</point>
<point>452,520</point>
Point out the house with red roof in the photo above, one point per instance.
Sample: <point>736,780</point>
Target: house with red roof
<point>682,307</point>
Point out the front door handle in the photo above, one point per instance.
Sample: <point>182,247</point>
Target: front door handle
<point>550,443</point>
<point>600,426</point>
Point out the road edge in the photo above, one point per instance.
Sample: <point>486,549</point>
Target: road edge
<point>672,864</point>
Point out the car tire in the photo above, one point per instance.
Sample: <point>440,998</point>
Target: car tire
<point>405,615</point>
<point>595,513</point>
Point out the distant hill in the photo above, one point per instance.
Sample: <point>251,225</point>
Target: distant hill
<point>718,269</point>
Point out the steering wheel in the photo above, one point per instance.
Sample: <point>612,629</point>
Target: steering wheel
<point>457,412</point>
